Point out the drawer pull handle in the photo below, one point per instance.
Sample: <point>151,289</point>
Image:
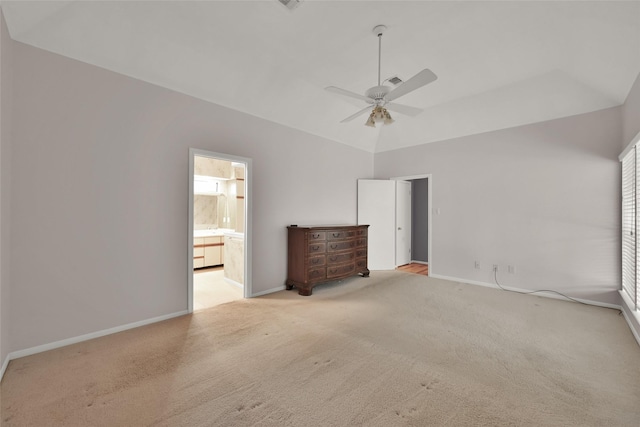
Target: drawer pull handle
<point>315,248</point>
<point>334,246</point>
<point>333,271</point>
<point>333,258</point>
<point>315,261</point>
<point>315,236</point>
<point>336,234</point>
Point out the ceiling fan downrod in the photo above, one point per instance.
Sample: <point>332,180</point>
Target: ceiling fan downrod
<point>379,31</point>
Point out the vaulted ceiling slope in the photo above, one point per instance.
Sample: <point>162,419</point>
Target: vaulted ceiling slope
<point>499,64</point>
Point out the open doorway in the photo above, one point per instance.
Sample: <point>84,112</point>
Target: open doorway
<point>400,222</point>
<point>420,237</point>
<point>219,231</point>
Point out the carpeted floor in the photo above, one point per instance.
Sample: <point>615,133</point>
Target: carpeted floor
<point>392,349</point>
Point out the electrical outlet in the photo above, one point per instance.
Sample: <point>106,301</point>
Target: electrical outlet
<point>512,269</point>
<point>477,265</point>
<point>495,267</point>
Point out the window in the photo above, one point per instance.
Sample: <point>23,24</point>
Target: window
<point>630,225</point>
<point>630,159</point>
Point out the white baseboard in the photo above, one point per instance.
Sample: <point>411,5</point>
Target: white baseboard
<point>269,291</point>
<point>4,366</point>
<point>635,333</point>
<point>62,343</point>
<point>413,261</point>
<point>540,294</point>
<point>234,283</point>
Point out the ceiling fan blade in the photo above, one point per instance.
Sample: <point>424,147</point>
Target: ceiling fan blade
<point>348,93</point>
<point>424,77</point>
<point>403,109</point>
<point>359,113</point>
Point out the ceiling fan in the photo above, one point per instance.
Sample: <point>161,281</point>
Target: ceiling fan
<point>379,97</point>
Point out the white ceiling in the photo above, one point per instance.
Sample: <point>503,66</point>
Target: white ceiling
<point>499,64</point>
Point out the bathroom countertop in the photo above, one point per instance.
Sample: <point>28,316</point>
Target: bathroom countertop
<point>211,233</point>
<point>218,232</point>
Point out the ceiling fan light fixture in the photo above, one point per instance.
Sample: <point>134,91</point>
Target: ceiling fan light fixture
<point>379,114</point>
<point>381,95</point>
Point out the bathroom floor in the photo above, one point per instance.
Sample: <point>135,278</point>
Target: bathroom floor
<point>210,289</point>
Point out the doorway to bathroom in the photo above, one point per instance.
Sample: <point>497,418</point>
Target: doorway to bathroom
<point>219,229</point>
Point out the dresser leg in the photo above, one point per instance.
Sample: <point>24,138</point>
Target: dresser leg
<point>304,292</point>
<point>365,273</point>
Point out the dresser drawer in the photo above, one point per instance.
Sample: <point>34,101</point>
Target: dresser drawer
<point>317,235</point>
<point>340,234</point>
<point>361,264</point>
<point>341,270</point>
<point>361,232</point>
<point>317,273</point>
<point>340,245</point>
<point>198,252</point>
<point>316,248</point>
<point>340,257</point>
<point>317,261</point>
<point>361,252</point>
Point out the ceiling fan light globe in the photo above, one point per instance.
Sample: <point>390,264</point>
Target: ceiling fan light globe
<point>370,121</point>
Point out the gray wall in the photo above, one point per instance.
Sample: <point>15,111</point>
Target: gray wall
<point>5,191</point>
<point>100,194</point>
<point>419,218</point>
<point>631,114</point>
<point>542,197</point>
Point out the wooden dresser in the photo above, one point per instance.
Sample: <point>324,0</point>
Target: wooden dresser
<point>324,253</point>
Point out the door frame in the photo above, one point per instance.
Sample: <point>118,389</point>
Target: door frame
<point>248,235</point>
<point>429,178</point>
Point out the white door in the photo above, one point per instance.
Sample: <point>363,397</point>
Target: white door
<point>403,222</point>
<point>377,208</point>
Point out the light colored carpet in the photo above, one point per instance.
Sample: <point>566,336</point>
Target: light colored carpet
<point>393,349</point>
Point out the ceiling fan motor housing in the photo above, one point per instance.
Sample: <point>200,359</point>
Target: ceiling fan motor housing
<point>377,93</point>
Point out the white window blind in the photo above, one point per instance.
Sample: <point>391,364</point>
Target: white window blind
<point>630,198</point>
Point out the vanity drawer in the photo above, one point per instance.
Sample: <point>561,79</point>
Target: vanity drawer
<point>198,252</point>
<point>316,248</point>
<point>214,240</point>
<point>340,257</point>
<point>341,245</point>
<point>341,270</point>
